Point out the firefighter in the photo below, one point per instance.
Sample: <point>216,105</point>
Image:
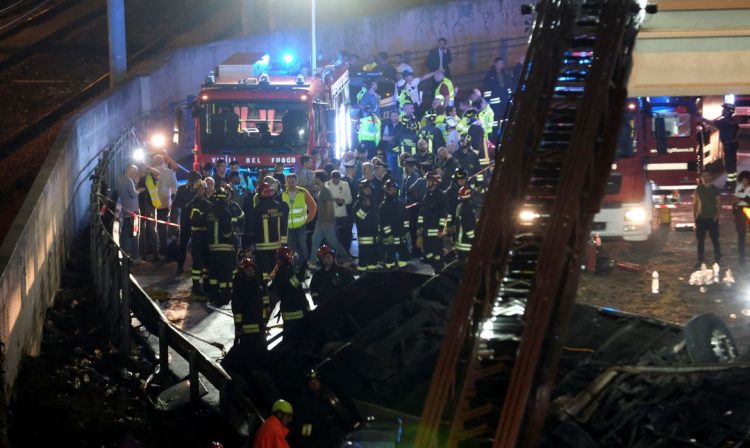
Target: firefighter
<point>465,223</point>
<point>238,218</point>
<point>448,166</point>
<point>268,227</point>
<point>467,158</point>
<point>366,219</point>
<point>430,133</point>
<point>451,198</point>
<point>289,291</point>
<point>369,130</point>
<point>728,126</point>
<point>330,278</point>
<point>248,307</point>
<point>394,223</point>
<point>272,433</point>
<point>222,248</point>
<point>183,196</point>
<point>431,222</point>
<point>315,424</point>
<point>198,212</point>
<point>406,142</point>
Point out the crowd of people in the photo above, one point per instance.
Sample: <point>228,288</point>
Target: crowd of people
<point>410,190</point>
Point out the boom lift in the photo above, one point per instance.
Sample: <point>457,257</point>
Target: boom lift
<point>497,364</point>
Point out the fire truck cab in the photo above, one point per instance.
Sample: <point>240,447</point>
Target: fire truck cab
<point>253,113</point>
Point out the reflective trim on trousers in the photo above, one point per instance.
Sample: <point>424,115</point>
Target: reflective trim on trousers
<point>250,328</point>
<point>237,318</point>
<point>292,315</point>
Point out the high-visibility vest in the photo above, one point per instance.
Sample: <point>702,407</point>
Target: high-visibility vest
<point>449,86</point>
<point>369,129</point>
<point>361,94</point>
<point>297,209</point>
<point>152,191</point>
<point>487,115</point>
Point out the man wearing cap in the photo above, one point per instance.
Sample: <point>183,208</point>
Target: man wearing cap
<point>728,126</point>
<point>183,196</point>
<point>381,169</point>
<point>368,131</point>
<point>272,433</point>
<point>410,85</point>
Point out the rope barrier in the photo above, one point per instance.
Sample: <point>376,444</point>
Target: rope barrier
<point>131,213</point>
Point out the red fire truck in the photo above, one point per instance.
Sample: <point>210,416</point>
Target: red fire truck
<point>657,158</point>
<point>249,111</point>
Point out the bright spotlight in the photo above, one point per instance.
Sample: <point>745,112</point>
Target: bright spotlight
<point>158,140</point>
<point>287,58</point>
<point>528,216</point>
<point>139,154</point>
<point>729,98</point>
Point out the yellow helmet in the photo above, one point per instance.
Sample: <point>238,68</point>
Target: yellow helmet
<point>282,406</point>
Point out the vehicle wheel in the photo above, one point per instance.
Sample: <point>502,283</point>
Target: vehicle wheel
<point>708,340</point>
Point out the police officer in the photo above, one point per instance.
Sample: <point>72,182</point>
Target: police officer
<point>394,224</point>
<point>330,278</point>
<point>198,225</point>
<point>465,223</point>
<point>366,219</point>
<point>221,247</point>
<point>369,130</point>
<point>182,197</point>
<point>431,222</point>
<point>248,307</point>
<point>288,289</point>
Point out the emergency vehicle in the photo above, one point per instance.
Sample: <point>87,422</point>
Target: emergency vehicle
<point>250,111</point>
<point>657,158</point>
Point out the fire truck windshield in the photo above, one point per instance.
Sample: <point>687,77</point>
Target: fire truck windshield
<point>676,120</point>
<point>627,141</point>
<point>254,127</point>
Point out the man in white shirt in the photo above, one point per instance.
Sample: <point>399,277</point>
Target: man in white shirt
<point>166,186</point>
<point>411,85</point>
<point>342,198</point>
<point>401,63</point>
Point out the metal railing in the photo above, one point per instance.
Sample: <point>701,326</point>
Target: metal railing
<point>119,295</point>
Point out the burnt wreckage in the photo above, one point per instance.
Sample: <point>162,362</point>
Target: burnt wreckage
<point>495,352</point>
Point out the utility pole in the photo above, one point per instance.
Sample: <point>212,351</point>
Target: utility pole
<point>118,55</point>
<point>314,46</point>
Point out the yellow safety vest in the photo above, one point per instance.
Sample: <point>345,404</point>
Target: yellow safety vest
<point>152,192</point>
<point>297,209</point>
<point>369,129</point>
<point>449,84</point>
<point>487,115</point>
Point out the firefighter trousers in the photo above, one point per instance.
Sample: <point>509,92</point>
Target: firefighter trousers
<point>182,247</point>
<point>222,266</point>
<point>396,249</point>
<point>199,251</point>
<point>433,252</point>
<point>368,253</point>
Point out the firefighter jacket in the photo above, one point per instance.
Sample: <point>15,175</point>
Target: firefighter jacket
<point>407,142</point>
<point>394,223</point>
<point>247,305</point>
<point>409,180</point>
<point>269,224</point>
<point>324,284</point>
<point>449,167</point>
<point>433,136</point>
<point>289,289</point>
<point>366,217</point>
<point>417,190</point>
<point>369,129</point>
<point>314,424</point>
<point>468,160</point>
<point>221,236</point>
<point>432,213</point>
<point>466,226</point>
<point>182,198</point>
<point>198,214</point>
<point>271,434</point>
<point>451,202</point>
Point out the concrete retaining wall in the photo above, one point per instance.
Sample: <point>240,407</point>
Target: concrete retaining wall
<point>56,209</point>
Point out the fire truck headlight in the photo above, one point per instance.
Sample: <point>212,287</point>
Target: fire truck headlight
<point>158,140</point>
<point>528,216</point>
<point>139,154</point>
<point>635,215</point>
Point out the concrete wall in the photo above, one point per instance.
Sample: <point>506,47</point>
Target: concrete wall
<point>56,209</point>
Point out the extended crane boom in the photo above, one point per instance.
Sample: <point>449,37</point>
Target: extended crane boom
<point>497,364</point>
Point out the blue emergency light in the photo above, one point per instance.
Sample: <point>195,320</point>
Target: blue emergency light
<point>287,58</point>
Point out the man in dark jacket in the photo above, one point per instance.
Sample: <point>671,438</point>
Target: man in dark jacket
<point>222,248</point>
<point>366,219</point>
<point>431,222</point>
<point>248,307</point>
<point>182,197</point>
<point>439,58</point>
<point>394,224</point>
<point>288,289</point>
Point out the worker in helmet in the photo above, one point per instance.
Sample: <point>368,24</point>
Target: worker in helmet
<point>268,227</point>
<point>366,219</point>
<point>728,125</point>
<point>315,424</point>
<point>451,198</point>
<point>289,291</point>
<point>272,433</point>
<point>465,223</point>
<point>431,222</point>
<point>248,307</point>
<point>222,248</point>
<point>330,278</point>
<point>198,224</point>
<point>429,131</point>
<point>183,196</point>
<point>394,224</point>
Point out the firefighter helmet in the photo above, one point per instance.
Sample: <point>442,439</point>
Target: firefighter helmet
<point>729,106</point>
<point>220,193</point>
<point>364,183</point>
<point>430,114</point>
<point>313,375</point>
<point>326,250</point>
<point>285,254</point>
<point>434,177</point>
<point>265,190</point>
<point>247,263</point>
<point>390,183</point>
<point>464,193</point>
<point>460,173</point>
<point>282,406</point>
<point>410,123</point>
<point>471,113</point>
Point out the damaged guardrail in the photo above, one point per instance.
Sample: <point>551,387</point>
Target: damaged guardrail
<point>121,297</point>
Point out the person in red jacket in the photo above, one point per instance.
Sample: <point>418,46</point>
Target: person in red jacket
<point>272,433</point>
